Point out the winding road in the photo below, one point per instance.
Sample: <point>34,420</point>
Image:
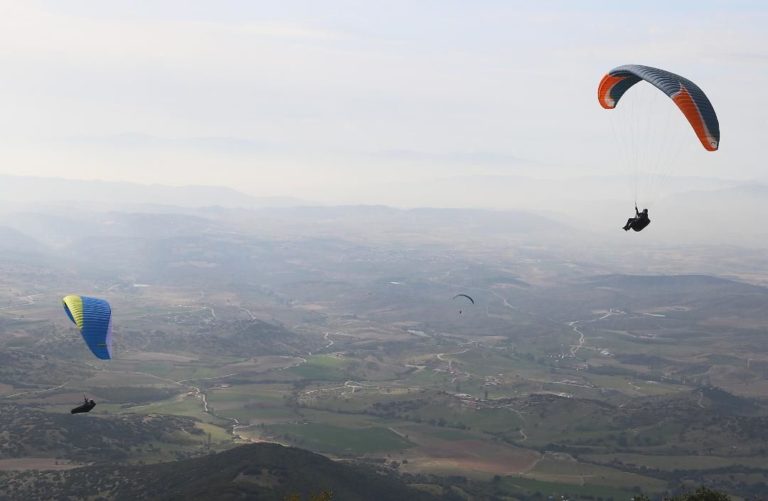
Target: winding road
<point>522,418</point>
<point>328,339</point>
<point>582,339</point>
<point>576,347</point>
<point>36,391</point>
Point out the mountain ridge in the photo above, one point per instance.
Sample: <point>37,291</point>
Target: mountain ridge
<point>264,471</point>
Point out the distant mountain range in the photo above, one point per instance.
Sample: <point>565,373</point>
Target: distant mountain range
<point>480,191</point>
<point>694,210</point>
<point>30,190</point>
<point>531,193</point>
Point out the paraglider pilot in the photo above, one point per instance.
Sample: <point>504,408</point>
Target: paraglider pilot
<point>87,406</point>
<point>638,222</point>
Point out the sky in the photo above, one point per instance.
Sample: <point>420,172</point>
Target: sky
<point>353,101</point>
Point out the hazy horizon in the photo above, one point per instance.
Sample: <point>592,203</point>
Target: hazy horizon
<point>345,101</point>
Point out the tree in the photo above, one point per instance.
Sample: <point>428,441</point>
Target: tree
<point>320,496</point>
<point>701,494</point>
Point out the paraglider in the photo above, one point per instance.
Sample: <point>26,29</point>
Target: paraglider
<point>464,296</point>
<point>86,406</point>
<point>640,221</point>
<point>94,319</point>
<point>690,100</point>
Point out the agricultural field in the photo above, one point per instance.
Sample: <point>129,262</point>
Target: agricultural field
<point>590,384</point>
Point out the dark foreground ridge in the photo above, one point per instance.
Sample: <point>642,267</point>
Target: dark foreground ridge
<point>256,471</point>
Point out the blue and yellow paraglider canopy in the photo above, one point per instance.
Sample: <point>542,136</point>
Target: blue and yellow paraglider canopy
<point>94,319</point>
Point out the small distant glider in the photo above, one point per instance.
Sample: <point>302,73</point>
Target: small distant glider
<point>464,296</point>
<point>87,406</point>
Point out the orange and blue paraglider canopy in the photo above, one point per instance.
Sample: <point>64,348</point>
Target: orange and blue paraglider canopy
<point>687,96</point>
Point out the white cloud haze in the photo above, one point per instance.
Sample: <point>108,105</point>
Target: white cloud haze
<point>344,101</point>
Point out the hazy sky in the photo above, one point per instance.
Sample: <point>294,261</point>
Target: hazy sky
<point>334,100</point>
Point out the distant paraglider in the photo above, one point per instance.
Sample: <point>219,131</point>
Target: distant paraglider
<point>87,406</point>
<point>94,319</point>
<point>464,296</point>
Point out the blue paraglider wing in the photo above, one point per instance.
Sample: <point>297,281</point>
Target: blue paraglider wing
<point>94,319</point>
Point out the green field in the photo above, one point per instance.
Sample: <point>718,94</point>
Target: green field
<point>678,462</point>
<point>356,350</point>
<point>322,368</point>
<point>528,486</point>
<point>338,440</point>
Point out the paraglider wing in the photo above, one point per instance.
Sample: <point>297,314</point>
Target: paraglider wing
<point>464,295</point>
<point>94,319</point>
<point>687,96</point>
